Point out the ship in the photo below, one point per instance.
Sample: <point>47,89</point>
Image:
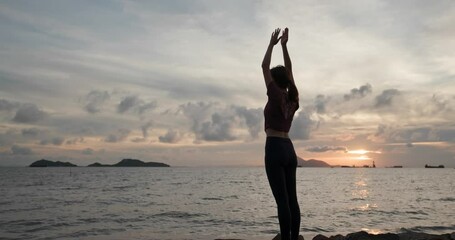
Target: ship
<point>429,166</point>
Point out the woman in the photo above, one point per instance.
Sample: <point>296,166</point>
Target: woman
<point>280,157</point>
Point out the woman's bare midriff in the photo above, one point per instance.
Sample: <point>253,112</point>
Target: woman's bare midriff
<point>274,133</point>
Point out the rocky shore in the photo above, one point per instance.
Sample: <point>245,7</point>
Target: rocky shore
<point>384,236</point>
<point>388,236</point>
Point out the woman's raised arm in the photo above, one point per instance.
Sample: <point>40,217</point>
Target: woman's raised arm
<point>274,39</point>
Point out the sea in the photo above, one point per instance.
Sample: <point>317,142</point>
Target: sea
<point>218,202</point>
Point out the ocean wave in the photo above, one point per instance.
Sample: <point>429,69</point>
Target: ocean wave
<point>178,214</point>
<point>212,199</point>
<point>426,229</point>
<point>447,199</point>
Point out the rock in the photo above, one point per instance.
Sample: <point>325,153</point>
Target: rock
<point>423,236</point>
<point>337,237</point>
<point>320,237</point>
<point>366,236</point>
<point>362,235</point>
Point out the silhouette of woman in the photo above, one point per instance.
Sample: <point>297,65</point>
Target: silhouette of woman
<point>280,156</point>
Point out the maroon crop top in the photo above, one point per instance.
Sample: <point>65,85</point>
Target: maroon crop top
<point>278,111</point>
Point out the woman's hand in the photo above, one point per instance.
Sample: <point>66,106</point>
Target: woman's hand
<point>285,36</point>
<point>274,38</point>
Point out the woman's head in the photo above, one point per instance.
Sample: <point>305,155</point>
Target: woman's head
<point>281,76</point>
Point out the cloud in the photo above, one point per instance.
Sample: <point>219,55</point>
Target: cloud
<point>413,135</point>
<point>134,102</point>
<point>6,105</point>
<point>18,150</point>
<point>127,103</point>
<point>302,126</point>
<point>147,107</point>
<point>327,149</point>
<point>216,122</point>
<point>9,137</point>
<point>253,119</point>
<point>29,113</point>
<point>119,136</point>
<point>146,127</point>
<point>219,128</point>
<point>386,98</point>
<point>75,140</point>
<point>171,136</point>
<point>30,132</point>
<point>95,100</point>
<point>55,141</point>
<point>88,151</point>
<point>360,92</point>
<point>320,103</point>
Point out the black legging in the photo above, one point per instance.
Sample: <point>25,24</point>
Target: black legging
<point>281,165</point>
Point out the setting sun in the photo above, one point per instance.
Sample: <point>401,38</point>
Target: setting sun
<point>360,151</point>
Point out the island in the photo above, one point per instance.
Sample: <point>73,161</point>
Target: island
<point>48,163</point>
<point>311,163</point>
<point>130,163</point>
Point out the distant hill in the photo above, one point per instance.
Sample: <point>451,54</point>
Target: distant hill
<point>311,163</point>
<point>130,163</point>
<point>47,163</point>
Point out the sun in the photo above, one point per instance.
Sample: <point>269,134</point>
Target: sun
<point>362,151</point>
<point>362,154</point>
<point>359,151</point>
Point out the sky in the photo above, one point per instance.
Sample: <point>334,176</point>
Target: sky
<point>180,82</point>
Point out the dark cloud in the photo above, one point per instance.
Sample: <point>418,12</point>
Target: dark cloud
<point>127,103</point>
<point>386,98</point>
<point>215,122</point>
<point>6,105</point>
<point>29,113</point>
<point>302,126</point>
<point>327,149</point>
<point>30,132</point>
<point>134,102</point>
<point>171,136</point>
<point>18,150</point>
<point>119,136</point>
<point>253,119</point>
<point>219,128</point>
<point>360,92</point>
<point>75,140</point>
<point>147,107</point>
<point>95,100</point>
<point>55,141</point>
<point>320,103</point>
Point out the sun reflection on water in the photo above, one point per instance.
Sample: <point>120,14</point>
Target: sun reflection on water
<point>373,231</point>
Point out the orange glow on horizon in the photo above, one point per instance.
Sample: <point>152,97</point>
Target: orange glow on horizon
<point>362,151</point>
<point>363,157</point>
